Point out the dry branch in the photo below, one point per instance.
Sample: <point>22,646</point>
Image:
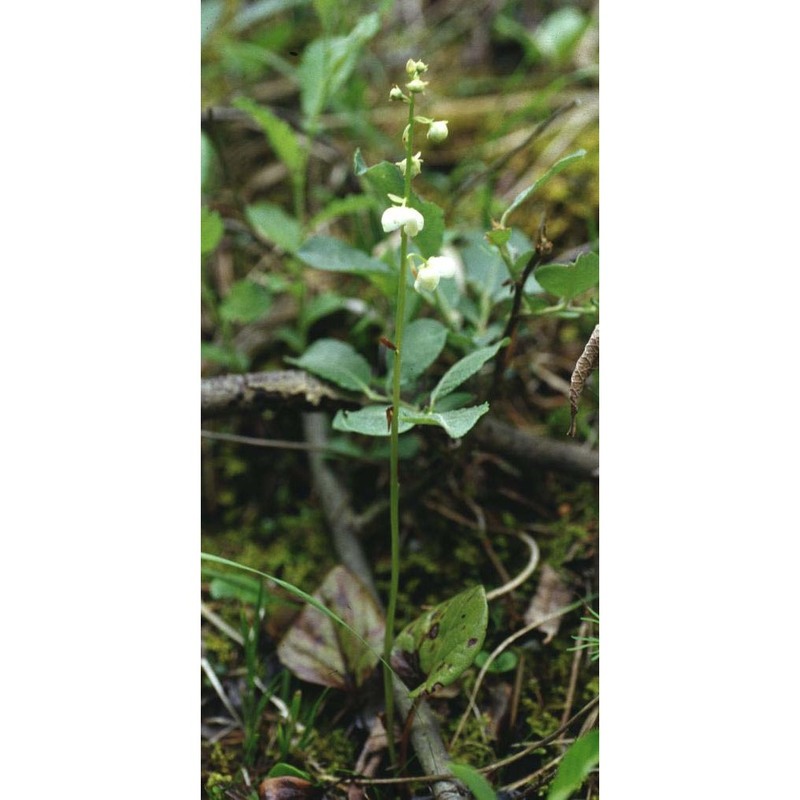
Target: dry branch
<point>256,391</point>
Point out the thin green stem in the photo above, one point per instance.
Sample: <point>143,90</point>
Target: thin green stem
<point>394,482</point>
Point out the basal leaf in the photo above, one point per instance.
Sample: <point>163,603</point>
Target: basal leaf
<point>581,758</point>
<point>337,362</point>
<point>464,369</point>
<point>334,255</point>
<point>211,230</point>
<point>370,421</point>
<point>443,642</point>
<point>569,280</point>
<point>275,225</point>
<point>318,651</point>
<point>457,423</point>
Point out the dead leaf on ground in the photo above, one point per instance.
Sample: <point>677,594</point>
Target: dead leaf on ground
<point>321,651</point>
<point>551,595</point>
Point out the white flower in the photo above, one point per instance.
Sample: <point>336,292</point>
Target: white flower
<point>437,131</point>
<point>416,165</point>
<point>410,219</point>
<point>436,267</point>
<point>417,85</point>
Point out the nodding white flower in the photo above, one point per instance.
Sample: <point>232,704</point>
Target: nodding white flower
<point>437,131</point>
<point>396,94</point>
<point>416,165</point>
<point>410,219</point>
<point>435,268</point>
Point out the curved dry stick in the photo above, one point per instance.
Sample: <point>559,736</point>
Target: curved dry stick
<point>583,369</point>
<point>533,560</point>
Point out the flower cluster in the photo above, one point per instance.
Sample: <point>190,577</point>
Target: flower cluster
<point>401,215</point>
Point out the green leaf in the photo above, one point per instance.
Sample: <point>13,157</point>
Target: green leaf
<point>337,362</point>
<point>569,280</point>
<point>473,780</point>
<point>443,642</point>
<point>282,769</point>
<point>211,229</point>
<point>560,165</point>
<point>369,421</point>
<point>314,650</point>
<point>352,204</point>
<point>581,758</point>
<point>320,306</point>
<point>464,369</point>
<point>558,34</point>
<point>457,423</point>
<point>423,340</point>
<point>499,237</point>
<point>280,135</point>
<point>329,61</point>
<point>224,356</point>
<point>245,302</point>
<point>275,225</point>
<point>334,255</point>
<point>505,662</point>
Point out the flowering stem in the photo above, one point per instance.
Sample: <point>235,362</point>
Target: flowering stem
<point>394,482</point>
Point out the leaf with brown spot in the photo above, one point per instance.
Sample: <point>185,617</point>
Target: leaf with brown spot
<point>319,651</point>
<point>443,642</point>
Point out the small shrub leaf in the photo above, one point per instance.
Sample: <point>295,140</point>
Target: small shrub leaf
<point>464,369</point>
<point>337,362</point>
<point>569,280</point>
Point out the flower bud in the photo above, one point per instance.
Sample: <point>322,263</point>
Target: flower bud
<point>437,131</point>
<point>396,94</point>
<point>416,86</point>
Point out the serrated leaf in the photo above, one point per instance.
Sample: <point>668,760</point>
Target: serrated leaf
<point>334,255</point>
<point>457,423</point>
<point>423,340</point>
<point>245,302</point>
<point>337,362</point>
<point>560,165</point>
<point>581,758</point>
<point>473,780</point>
<point>275,225</point>
<point>279,134</point>
<point>464,369</point>
<point>443,642</point>
<point>369,421</point>
<point>317,650</point>
<point>211,230</point>
<point>569,280</point>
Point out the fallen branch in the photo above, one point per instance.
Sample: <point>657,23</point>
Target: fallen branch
<point>537,451</point>
<point>256,391</point>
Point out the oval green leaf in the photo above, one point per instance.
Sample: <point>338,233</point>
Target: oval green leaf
<point>275,225</point>
<point>457,423</point>
<point>369,421</point>
<point>325,252</point>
